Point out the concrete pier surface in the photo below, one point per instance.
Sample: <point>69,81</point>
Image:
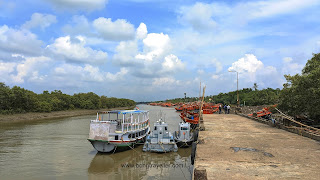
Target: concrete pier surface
<point>235,147</point>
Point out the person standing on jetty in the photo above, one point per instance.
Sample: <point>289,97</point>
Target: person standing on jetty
<point>228,109</point>
<point>220,107</point>
<point>225,108</point>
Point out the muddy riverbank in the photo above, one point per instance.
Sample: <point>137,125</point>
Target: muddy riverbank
<point>34,116</point>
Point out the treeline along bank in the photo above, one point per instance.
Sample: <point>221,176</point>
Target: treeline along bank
<point>300,95</point>
<point>20,100</point>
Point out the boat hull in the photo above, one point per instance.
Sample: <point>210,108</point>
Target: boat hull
<point>160,148</point>
<point>107,146</point>
<point>182,144</point>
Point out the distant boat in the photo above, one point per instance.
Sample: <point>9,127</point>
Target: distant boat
<point>160,140</point>
<point>184,136</point>
<point>119,129</point>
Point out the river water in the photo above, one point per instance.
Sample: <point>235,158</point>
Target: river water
<point>58,149</point>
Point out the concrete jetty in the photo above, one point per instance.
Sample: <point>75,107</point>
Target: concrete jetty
<point>235,147</point>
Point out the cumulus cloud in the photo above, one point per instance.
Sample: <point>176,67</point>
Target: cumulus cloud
<point>19,41</point>
<point>29,68</point>
<point>86,5</point>
<point>6,68</point>
<point>142,31</point>
<point>252,70</point>
<point>76,73</point>
<point>125,53</point>
<point>76,50</point>
<point>248,63</point>
<point>155,47</point>
<point>172,63</point>
<point>40,20</point>
<point>117,76</point>
<point>117,31</point>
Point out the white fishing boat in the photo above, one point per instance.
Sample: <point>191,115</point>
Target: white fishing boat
<point>119,129</point>
<point>184,137</point>
<point>160,140</point>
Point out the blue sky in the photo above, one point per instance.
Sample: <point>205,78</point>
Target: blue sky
<point>154,50</point>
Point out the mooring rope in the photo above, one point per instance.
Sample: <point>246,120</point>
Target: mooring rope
<point>301,124</point>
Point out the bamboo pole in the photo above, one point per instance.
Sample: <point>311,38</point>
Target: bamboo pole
<point>200,113</point>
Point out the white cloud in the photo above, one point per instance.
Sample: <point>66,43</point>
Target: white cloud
<point>248,63</point>
<point>217,64</point>
<point>94,73</point>
<point>172,63</point>
<point>251,70</point>
<point>142,31</point>
<point>125,53</point>
<point>17,55</point>
<point>222,16</point>
<point>5,70</point>
<point>35,77</point>
<point>79,25</point>
<point>77,74</point>
<point>19,41</point>
<point>155,46</point>
<point>277,7</point>
<point>41,20</point>
<point>268,77</point>
<point>116,31</point>
<point>199,16</point>
<point>29,67</point>
<point>87,5</point>
<point>287,59</point>
<point>291,67</point>
<point>117,76</point>
<point>164,81</point>
<point>76,51</point>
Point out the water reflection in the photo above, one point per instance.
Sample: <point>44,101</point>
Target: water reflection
<point>135,164</point>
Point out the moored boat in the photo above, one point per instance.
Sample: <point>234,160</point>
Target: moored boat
<point>119,129</point>
<point>160,140</point>
<point>184,136</point>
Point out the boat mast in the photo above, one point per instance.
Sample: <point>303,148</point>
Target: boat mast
<point>200,92</point>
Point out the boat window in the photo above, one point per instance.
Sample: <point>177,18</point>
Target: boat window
<point>133,135</point>
<point>137,135</point>
<point>155,128</point>
<point>129,136</point>
<point>184,128</point>
<point>116,137</point>
<point>165,128</point>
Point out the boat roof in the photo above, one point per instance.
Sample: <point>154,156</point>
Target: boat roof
<point>123,112</point>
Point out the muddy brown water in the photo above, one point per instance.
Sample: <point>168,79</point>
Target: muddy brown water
<point>58,149</point>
